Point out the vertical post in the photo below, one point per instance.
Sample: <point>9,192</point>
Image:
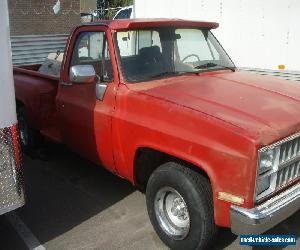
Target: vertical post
<point>7,93</point>
<point>133,9</point>
<point>11,178</point>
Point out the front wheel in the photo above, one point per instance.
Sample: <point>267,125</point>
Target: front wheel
<point>180,207</point>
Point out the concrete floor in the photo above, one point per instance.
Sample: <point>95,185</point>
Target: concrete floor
<point>73,204</point>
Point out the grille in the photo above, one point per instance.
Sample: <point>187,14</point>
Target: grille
<point>287,174</point>
<point>289,161</point>
<point>289,150</point>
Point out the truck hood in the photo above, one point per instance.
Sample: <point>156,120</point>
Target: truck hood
<point>266,107</point>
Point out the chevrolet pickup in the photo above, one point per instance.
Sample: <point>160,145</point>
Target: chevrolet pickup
<point>160,103</point>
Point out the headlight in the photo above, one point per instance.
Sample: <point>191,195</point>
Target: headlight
<point>263,184</point>
<point>266,163</point>
<point>266,160</point>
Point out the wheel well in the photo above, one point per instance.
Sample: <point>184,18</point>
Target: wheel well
<point>19,104</point>
<point>147,160</point>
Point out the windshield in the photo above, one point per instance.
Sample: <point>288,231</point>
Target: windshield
<point>168,51</point>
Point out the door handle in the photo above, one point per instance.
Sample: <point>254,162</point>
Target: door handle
<point>66,83</point>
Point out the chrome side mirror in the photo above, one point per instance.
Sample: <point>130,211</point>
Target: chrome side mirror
<point>82,74</point>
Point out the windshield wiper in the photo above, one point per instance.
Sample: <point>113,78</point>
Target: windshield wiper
<point>166,73</point>
<point>210,65</point>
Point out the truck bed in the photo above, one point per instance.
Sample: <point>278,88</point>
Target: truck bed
<point>34,71</point>
<point>37,92</point>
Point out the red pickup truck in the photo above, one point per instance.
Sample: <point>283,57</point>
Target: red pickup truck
<point>160,103</point>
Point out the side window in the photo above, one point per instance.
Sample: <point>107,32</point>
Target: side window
<point>214,52</point>
<point>91,48</point>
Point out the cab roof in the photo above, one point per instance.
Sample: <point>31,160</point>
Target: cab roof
<point>124,24</point>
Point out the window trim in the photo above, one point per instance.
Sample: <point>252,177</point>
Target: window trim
<point>71,45</point>
<point>214,41</point>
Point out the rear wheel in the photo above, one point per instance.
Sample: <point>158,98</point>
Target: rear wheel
<point>180,207</point>
<point>28,136</point>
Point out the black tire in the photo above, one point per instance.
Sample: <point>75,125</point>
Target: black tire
<point>28,137</point>
<point>195,190</point>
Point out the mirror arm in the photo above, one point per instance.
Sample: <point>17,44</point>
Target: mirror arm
<point>99,78</point>
<point>66,83</point>
<point>100,88</point>
<point>100,91</point>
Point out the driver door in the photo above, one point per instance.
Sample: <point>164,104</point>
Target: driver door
<point>85,120</point>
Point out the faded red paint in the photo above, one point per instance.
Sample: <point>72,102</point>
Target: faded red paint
<point>123,24</point>
<point>216,121</point>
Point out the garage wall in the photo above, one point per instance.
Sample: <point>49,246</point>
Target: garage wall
<point>256,33</point>
<point>36,17</point>
<point>33,49</point>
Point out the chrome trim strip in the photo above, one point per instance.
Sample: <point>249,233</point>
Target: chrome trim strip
<point>288,162</point>
<point>273,145</point>
<point>268,214</point>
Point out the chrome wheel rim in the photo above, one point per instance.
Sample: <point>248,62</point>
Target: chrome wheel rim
<point>23,130</point>
<point>172,213</point>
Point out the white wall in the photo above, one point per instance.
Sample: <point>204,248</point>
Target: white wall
<point>255,33</point>
<point>7,94</point>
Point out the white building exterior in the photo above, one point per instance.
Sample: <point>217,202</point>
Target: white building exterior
<point>7,92</point>
<point>255,33</point>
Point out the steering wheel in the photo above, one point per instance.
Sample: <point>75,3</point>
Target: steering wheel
<point>194,55</point>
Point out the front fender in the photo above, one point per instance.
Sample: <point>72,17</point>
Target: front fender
<point>220,149</point>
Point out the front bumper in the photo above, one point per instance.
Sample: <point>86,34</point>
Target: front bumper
<point>268,214</point>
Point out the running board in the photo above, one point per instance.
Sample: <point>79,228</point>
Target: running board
<point>53,134</point>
